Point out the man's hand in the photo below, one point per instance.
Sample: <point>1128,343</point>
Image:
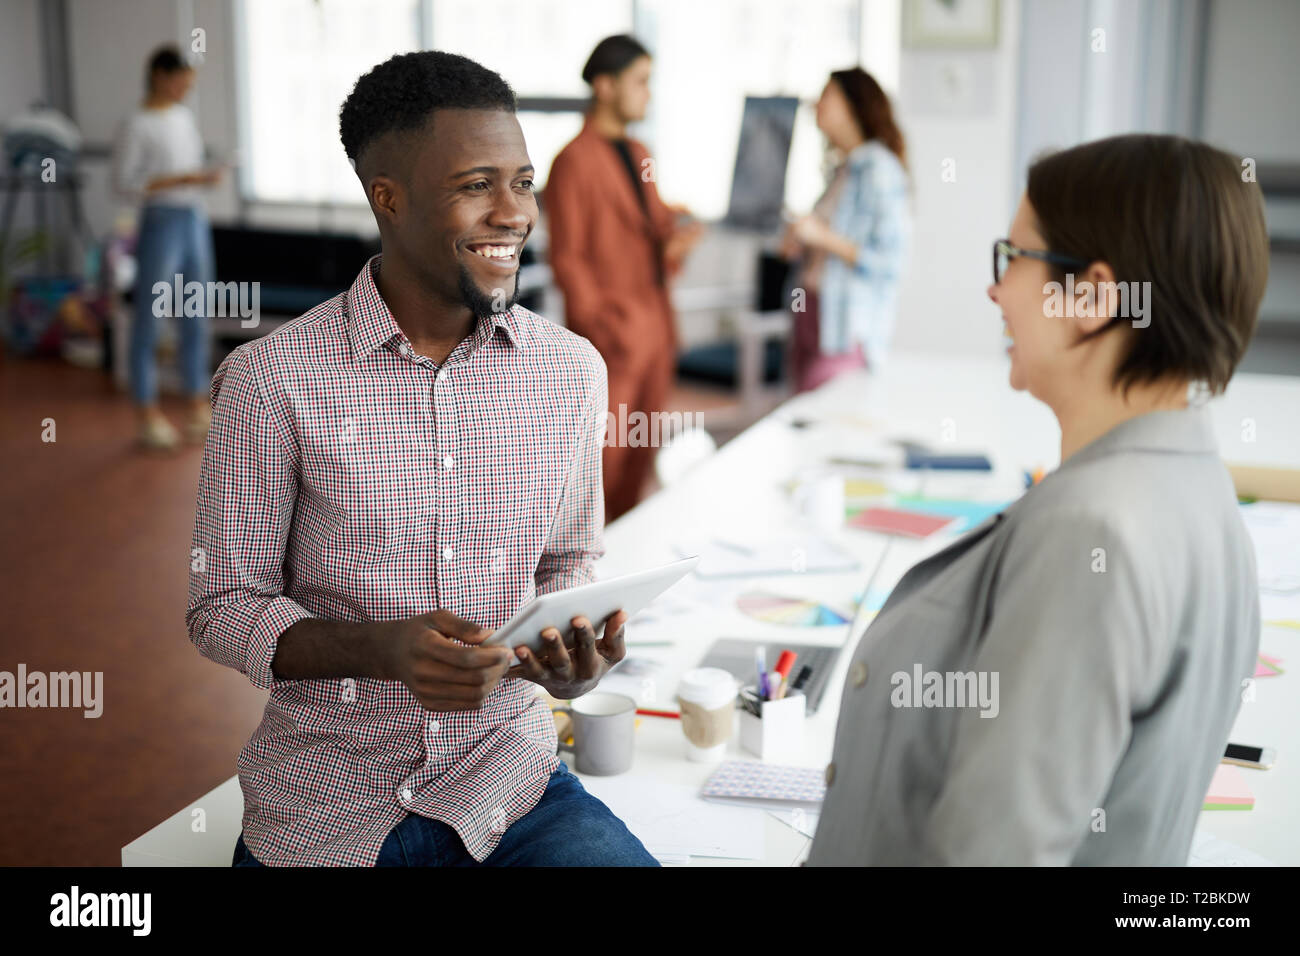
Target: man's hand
<point>442,674</point>
<point>679,245</point>
<point>570,668</point>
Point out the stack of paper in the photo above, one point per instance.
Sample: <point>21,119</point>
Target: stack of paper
<point>1274,528</point>
<point>1228,790</point>
<point>725,558</point>
<point>1209,850</point>
<point>675,824</point>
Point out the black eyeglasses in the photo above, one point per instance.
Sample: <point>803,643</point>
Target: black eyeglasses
<point>1004,252</point>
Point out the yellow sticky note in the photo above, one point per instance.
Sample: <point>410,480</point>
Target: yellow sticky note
<point>863,488</point>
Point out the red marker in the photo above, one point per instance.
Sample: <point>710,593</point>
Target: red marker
<point>785,663</point>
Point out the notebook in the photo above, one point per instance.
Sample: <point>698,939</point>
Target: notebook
<point>911,524</point>
<point>752,783</point>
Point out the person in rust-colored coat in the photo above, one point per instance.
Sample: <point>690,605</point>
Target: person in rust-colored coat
<point>613,246</point>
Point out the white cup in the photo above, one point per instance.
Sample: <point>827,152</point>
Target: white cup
<point>707,697</point>
<point>821,500</point>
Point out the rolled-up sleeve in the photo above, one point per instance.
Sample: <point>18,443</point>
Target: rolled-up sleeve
<point>882,223</point>
<point>576,540</point>
<point>1071,640</point>
<point>246,498</point>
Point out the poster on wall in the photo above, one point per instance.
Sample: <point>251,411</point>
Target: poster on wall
<point>950,24</point>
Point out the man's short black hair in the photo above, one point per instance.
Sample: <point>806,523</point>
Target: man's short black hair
<point>612,56</point>
<point>401,93</point>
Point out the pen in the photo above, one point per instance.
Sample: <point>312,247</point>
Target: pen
<point>781,688</point>
<point>804,673</point>
<point>760,658</point>
<point>784,664</point>
<point>659,713</point>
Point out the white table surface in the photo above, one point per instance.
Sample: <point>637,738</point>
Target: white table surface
<point>964,404</point>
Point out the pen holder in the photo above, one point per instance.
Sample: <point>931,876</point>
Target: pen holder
<point>776,736</point>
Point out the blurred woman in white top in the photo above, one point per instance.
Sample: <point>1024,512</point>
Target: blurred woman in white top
<point>159,163</point>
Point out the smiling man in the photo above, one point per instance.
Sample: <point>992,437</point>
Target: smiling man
<point>388,478</point>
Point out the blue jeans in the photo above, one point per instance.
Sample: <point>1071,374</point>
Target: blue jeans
<point>568,827</point>
<point>172,240</point>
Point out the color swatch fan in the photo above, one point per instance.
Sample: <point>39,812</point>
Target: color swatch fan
<point>794,612</point>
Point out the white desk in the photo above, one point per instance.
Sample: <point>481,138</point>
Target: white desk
<point>968,404</point>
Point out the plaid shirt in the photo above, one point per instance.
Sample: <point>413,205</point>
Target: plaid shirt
<point>347,477</point>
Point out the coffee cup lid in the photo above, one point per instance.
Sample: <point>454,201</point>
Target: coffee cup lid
<point>707,686</point>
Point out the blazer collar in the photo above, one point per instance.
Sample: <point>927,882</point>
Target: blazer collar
<point>371,324</point>
<point>1186,431</point>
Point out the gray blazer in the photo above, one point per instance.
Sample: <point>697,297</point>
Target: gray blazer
<point>1091,646</point>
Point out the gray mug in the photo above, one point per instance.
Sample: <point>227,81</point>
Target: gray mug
<point>604,729</point>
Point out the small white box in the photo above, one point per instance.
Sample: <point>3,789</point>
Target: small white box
<point>777,736</point>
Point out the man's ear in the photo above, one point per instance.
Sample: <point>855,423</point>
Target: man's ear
<point>1095,301</point>
<point>386,196</point>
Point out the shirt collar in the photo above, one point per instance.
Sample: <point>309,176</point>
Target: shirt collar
<point>371,324</point>
<point>1187,431</point>
<point>859,154</point>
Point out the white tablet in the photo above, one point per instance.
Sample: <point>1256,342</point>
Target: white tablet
<point>595,601</point>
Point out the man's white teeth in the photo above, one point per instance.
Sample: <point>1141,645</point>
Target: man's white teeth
<point>495,252</point>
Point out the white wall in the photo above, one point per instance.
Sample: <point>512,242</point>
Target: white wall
<point>943,306</point>
<point>1253,79</point>
<point>22,79</point>
<point>110,43</point>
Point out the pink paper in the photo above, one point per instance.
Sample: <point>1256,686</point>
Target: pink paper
<point>1229,790</point>
<point>1267,666</point>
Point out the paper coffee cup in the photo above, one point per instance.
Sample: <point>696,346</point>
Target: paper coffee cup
<point>706,697</point>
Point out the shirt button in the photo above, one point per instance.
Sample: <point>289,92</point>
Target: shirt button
<point>858,674</point>
<point>830,774</point>
<point>442,374</point>
<point>434,726</point>
<point>406,793</point>
<point>406,349</point>
<point>448,461</point>
<point>447,553</point>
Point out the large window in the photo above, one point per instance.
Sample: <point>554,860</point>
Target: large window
<point>708,56</point>
<point>300,59</point>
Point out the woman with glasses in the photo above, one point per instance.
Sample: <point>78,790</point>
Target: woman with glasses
<point>852,247</point>
<point>1089,646</point>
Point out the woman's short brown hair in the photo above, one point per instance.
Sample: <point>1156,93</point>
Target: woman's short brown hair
<point>1178,214</point>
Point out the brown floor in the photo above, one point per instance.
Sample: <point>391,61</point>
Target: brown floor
<point>94,550</point>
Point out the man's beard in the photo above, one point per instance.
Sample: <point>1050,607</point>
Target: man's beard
<point>482,305</point>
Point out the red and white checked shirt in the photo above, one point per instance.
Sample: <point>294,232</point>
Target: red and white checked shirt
<point>346,477</point>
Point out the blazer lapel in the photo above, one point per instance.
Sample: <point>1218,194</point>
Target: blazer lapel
<point>617,186</point>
